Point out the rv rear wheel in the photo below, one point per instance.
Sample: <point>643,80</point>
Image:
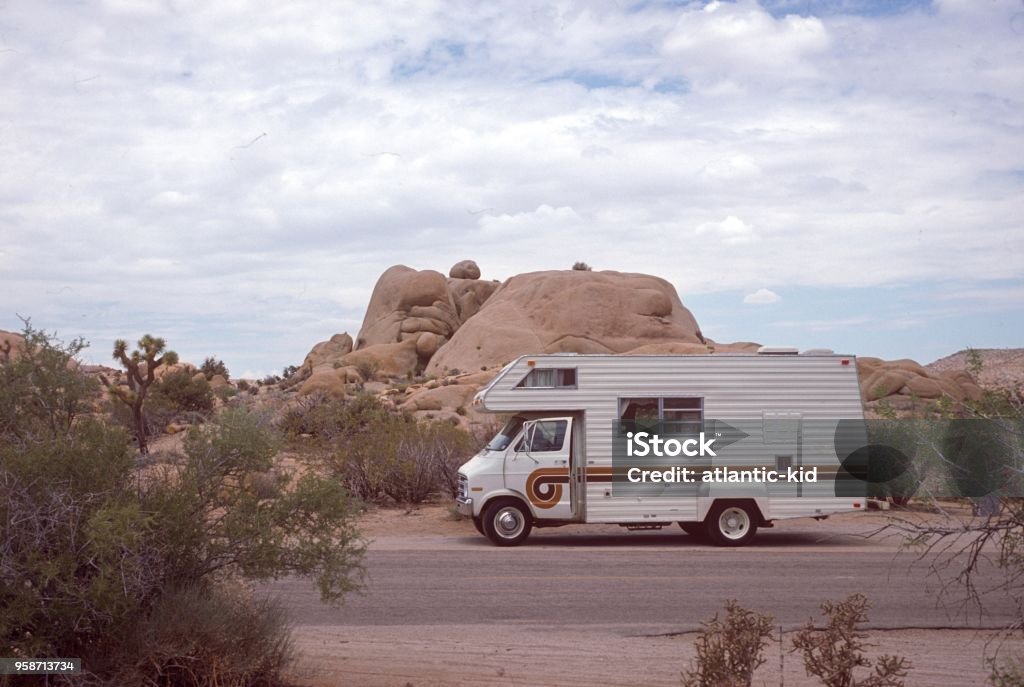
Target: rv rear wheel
<point>731,524</point>
<point>506,522</point>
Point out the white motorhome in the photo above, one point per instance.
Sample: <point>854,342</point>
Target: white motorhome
<point>558,459</point>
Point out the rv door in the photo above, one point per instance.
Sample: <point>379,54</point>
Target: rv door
<point>538,467</point>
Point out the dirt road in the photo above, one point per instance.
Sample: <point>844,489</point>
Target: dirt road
<point>600,606</point>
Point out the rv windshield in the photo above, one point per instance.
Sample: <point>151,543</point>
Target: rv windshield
<point>503,438</point>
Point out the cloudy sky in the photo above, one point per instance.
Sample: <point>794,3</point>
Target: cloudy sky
<point>235,175</point>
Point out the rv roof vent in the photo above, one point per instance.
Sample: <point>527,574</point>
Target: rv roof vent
<point>777,350</point>
<point>818,351</point>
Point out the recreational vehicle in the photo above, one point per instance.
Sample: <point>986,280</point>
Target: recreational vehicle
<point>721,444</point>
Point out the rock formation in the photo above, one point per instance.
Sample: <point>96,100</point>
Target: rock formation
<point>419,321</point>
<point>568,311</point>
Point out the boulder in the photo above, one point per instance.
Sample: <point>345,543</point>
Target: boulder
<point>331,350</point>
<point>11,345</point>
<point>217,381</point>
<point>449,397</point>
<point>427,344</point>
<point>675,347</point>
<point>323,382</point>
<point>568,310</point>
<point>387,360</point>
<point>477,379</point>
<point>466,269</point>
<point>469,295</point>
<point>884,382</point>
<point>922,387</point>
<point>404,293</point>
<point>736,347</point>
<point>884,379</point>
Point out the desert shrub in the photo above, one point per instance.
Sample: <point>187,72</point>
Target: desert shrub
<point>92,548</point>
<point>581,266</point>
<point>174,397</point>
<point>379,454</point>
<point>1006,673</point>
<point>328,419</point>
<point>225,392</point>
<point>183,393</point>
<point>41,394</point>
<point>832,653</point>
<point>243,385</point>
<point>367,369</point>
<point>216,637</point>
<point>307,529</point>
<point>212,367</point>
<point>730,649</point>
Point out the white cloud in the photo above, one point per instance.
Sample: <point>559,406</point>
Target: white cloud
<point>762,297</point>
<point>732,230</point>
<point>833,151</point>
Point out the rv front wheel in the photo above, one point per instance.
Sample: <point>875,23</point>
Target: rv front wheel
<point>731,524</point>
<point>506,523</point>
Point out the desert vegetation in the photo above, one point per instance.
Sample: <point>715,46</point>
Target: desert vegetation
<point>380,454</point>
<point>973,451</point>
<point>140,567</point>
<point>731,648</point>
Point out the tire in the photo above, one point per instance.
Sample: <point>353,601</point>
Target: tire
<point>479,526</point>
<point>506,522</point>
<point>731,523</point>
<point>694,529</point>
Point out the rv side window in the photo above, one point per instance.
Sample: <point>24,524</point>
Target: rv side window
<point>678,415</point>
<point>639,414</point>
<point>682,415</point>
<point>549,378</point>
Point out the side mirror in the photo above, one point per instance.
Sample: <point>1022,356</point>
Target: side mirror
<point>524,445</point>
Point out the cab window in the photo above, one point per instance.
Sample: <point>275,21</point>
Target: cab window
<point>548,435</point>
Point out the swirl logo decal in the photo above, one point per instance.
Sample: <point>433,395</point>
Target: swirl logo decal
<point>544,486</point>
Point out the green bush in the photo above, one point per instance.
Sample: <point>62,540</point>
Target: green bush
<point>174,397</point>
<point>183,393</point>
<point>397,458</point>
<point>330,420</point>
<point>114,564</point>
<point>212,367</point>
<point>41,394</point>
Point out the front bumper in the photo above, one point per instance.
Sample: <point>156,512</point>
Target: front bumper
<point>464,506</point>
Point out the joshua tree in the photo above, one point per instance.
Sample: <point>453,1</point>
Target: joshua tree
<point>141,367</point>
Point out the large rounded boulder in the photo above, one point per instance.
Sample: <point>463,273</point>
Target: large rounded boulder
<point>568,311</point>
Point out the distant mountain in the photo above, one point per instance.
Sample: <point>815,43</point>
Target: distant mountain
<point>1002,368</point>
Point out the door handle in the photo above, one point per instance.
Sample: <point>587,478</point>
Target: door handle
<point>562,462</point>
